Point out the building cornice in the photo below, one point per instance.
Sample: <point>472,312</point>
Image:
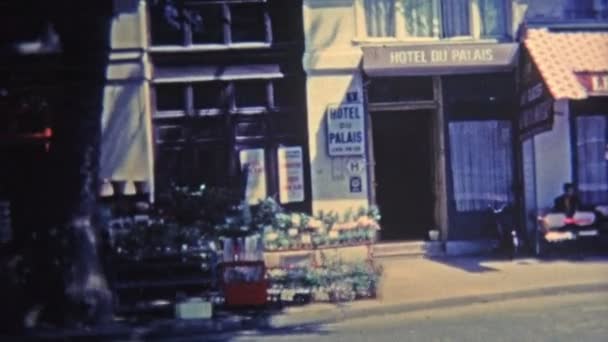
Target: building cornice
<point>332,60</point>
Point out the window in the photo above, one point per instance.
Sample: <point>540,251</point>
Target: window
<point>209,95</point>
<point>395,89</point>
<point>215,97</point>
<point>405,19</point>
<point>170,97</point>
<point>592,168</point>
<point>248,22</point>
<point>456,17</point>
<point>586,9</point>
<point>481,159</point>
<point>217,22</point>
<point>251,93</point>
<point>492,17</point>
<point>212,30</point>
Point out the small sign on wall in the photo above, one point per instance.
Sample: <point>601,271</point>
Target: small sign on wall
<point>345,129</point>
<point>252,161</point>
<point>356,184</point>
<point>291,174</point>
<point>355,166</point>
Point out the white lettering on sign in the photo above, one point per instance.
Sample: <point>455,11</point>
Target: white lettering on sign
<point>433,56</point>
<point>599,83</point>
<point>291,174</point>
<point>535,92</point>
<point>345,130</point>
<point>253,161</point>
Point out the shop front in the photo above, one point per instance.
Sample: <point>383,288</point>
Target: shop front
<point>441,137</point>
<point>563,123</point>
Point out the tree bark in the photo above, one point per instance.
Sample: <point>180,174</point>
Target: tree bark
<point>80,291</point>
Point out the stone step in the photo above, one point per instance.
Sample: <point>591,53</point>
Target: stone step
<point>409,248</point>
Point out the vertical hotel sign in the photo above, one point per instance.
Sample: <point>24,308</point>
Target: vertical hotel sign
<point>252,162</point>
<point>536,104</point>
<point>345,129</point>
<point>291,174</point>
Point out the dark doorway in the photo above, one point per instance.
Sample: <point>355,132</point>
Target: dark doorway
<point>403,173</point>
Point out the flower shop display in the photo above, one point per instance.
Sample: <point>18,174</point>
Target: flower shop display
<point>213,229</point>
<point>333,282</point>
<point>300,231</point>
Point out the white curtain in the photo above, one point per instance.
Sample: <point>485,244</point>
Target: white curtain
<point>591,154</point>
<point>456,20</point>
<point>492,17</point>
<point>380,18</point>
<point>421,18</point>
<point>482,163</point>
<point>529,175</point>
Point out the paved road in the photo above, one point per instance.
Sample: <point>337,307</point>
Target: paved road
<point>570,317</point>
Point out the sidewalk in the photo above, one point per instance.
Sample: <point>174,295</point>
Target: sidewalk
<point>419,283</point>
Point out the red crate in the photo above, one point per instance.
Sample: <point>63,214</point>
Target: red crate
<point>244,283</point>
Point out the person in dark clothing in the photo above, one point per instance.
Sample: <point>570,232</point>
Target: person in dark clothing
<point>567,203</point>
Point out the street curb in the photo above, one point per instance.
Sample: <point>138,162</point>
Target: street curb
<point>176,328</point>
<point>335,315</point>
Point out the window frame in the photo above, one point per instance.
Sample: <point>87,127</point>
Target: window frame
<point>229,107</point>
<point>187,34</point>
<point>475,26</point>
<point>591,107</point>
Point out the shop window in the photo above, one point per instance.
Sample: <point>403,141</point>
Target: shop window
<point>207,129</point>
<point>247,23</point>
<point>171,167</point>
<point>208,95</point>
<point>592,168</point>
<point>211,164</point>
<point>404,19</point>
<point>284,92</point>
<point>170,97</point>
<point>251,93</point>
<point>395,89</point>
<point>169,133</point>
<point>481,164</point>
<point>191,164</point>
<point>254,128</point>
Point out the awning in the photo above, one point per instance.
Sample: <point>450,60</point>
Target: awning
<point>573,65</point>
<point>214,73</point>
<point>439,59</point>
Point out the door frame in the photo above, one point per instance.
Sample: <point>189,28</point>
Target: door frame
<point>435,108</point>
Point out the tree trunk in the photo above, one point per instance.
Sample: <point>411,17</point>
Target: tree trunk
<point>80,289</point>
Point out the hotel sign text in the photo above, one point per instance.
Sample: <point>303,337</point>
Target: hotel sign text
<point>438,59</point>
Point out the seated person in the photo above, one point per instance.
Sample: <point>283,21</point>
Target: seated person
<point>567,203</point>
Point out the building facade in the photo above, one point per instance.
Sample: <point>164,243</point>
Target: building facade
<point>435,82</point>
<point>563,104</point>
<point>214,92</point>
<point>419,107</point>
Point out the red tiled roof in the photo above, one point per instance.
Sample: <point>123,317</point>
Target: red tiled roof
<point>559,56</point>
